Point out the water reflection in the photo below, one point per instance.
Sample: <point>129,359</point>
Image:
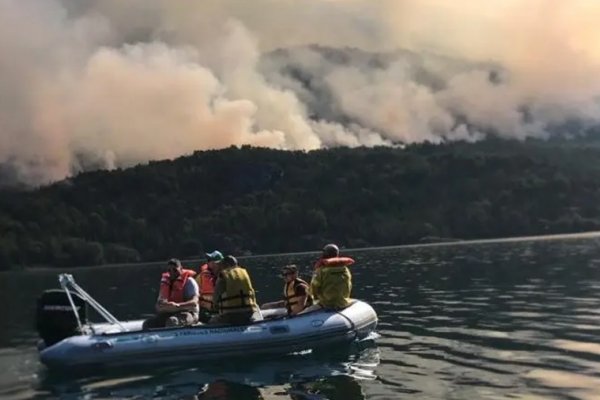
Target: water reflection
<point>507,320</point>
<point>333,375</point>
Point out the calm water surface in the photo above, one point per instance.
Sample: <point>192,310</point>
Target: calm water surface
<point>495,320</point>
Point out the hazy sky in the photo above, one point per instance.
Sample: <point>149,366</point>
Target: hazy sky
<point>122,82</point>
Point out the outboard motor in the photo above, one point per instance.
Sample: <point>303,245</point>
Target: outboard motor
<point>55,319</point>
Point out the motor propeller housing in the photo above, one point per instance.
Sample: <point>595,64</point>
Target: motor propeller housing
<point>55,319</point>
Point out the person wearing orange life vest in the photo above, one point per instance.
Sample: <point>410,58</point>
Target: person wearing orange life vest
<point>331,284</point>
<point>177,302</point>
<point>296,296</point>
<point>206,280</point>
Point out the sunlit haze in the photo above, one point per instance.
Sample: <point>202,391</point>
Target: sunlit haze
<point>97,84</point>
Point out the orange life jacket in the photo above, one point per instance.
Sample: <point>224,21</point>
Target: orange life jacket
<point>334,262</point>
<point>206,282</point>
<point>173,290</point>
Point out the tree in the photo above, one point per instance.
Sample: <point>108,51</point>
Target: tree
<point>117,253</point>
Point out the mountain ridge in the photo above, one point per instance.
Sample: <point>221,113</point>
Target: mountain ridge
<point>248,200</point>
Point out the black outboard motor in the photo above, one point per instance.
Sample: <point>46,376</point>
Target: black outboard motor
<point>55,319</point>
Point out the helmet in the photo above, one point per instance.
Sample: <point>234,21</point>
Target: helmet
<point>331,250</point>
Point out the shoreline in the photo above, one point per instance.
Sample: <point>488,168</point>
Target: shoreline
<point>195,260</point>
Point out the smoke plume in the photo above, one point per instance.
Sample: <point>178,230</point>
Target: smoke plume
<point>104,83</point>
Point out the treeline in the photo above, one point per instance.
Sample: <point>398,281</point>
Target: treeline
<point>255,200</point>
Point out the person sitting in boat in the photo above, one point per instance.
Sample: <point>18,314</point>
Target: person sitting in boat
<point>206,280</point>
<point>296,296</point>
<point>234,298</point>
<point>177,303</point>
<point>331,284</point>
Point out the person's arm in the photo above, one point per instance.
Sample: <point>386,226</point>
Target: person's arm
<point>315,285</point>
<point>169,307</point>
<point>350,280</point>
<point>192,292</point>
<point>162,303</point>
<point>164,306</point>
<point>302,293</point>
<point>219,289</point>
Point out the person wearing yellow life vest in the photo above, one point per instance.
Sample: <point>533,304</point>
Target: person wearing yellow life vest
<point>206,280</point>
<point>234,298</point>
<point>331,284</point>
<point>296,296</point>
<point>177,302</point>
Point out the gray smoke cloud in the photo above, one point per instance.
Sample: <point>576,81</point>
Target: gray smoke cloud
<point>104,83</point>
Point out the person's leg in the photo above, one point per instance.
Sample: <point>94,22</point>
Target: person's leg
<point>238,318</point>
<point>189,318</point>
<point>216,319</point>
<point>184,318</point>
<point>158,321</point>
<point>204,315</point>
<point>256,316</point>
<point>314,307</point>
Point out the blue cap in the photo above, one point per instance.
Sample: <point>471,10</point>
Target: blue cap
<point>214,256</point>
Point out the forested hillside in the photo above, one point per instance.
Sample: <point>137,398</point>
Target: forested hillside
<point>256,200</point>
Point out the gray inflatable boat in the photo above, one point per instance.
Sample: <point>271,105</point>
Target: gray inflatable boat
<point>69,341</point>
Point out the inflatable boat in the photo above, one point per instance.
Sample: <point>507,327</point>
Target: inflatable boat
<point>69,341</point>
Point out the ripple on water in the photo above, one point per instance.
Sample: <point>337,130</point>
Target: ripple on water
<point>580,385</point>
<point>494,321</point>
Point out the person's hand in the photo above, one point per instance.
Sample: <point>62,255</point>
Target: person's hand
<point>172,303</point>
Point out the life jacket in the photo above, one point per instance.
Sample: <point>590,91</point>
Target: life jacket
<point>334,262</point>
<point>239,295</point>
<point>331,285</point>
<point>291,297</point>
<point>173,290</point>
<point>206,282</point>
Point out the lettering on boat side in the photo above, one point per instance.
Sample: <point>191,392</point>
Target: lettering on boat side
<point>195,332</point>
<point>129,338</point>
<point>317,322</point>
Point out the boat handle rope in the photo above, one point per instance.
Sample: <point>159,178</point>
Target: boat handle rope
<point>352,324</point>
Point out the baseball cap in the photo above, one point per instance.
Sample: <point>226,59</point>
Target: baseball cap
<point>214,256</point>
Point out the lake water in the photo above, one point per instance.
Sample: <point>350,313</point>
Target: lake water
<point>517,320</point>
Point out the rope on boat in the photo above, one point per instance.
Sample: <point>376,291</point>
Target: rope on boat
<point>352,324</point>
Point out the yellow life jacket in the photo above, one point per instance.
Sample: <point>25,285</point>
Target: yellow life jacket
<point>291,297</point>
<point>332,284</point>
<point>239,295</point>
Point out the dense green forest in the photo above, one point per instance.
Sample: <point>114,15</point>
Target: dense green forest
<point>255,200</point>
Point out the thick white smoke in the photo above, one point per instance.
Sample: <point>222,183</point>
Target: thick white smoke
<point>120,83</point>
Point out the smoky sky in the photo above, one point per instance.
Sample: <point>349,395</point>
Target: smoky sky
<point>104,83</point>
